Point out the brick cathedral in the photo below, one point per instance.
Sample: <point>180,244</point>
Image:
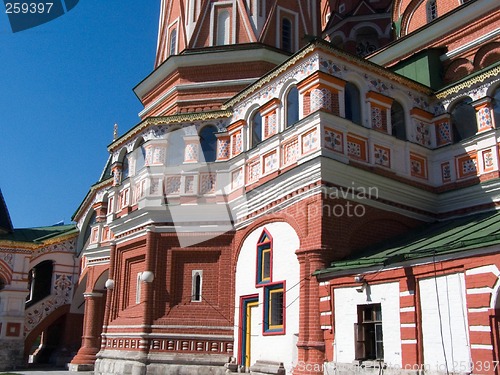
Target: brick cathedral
<point>312,187</point>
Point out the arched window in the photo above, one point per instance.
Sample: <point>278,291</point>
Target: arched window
<point>88,229</point>
<point>352,99</point>
<point>2,283</point>
<point>140,157</point>
<point>125,167</point>
<point>175,148</point>
<point>431,10</point>
<point>208,142</point>
<point>172,43</point>
<point>398,121</point>
<point>256,129</point>
<point>197,279</point>
<point>292,106</point>
<point>286,35</point>
<point>495,106</point>
<point>223,28</point>
<point>40,282</point>
<point>463,120</point>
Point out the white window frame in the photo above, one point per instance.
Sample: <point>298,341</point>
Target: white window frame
<point>194,274</point>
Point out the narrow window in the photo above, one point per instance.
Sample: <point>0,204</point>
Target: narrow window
<point>368,332</point>
<point>463,120</point>
<point>140,157</point>
<point>2,283</point>
<point>88,229</point>
<point>286,34</point>
<point>125,168</point>
<point>292,107</point>
<point>256,129</point>
<point>264,259</point>
<point>208,142</point>
<point>495,104</point>
<point>352,99</point>
<point>398,121</point>
<point>431,10</point>
<point>173,42</point>
<point>138,289</point>
<point>223,28</point>
<point>197,278</point>
<point>274,309</point>
<point>175,148</point>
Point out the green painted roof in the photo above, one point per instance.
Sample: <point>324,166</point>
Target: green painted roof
<point>40,234</point>
<point>439,238</point>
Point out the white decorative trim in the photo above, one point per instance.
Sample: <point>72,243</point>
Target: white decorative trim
<point>481,347</point>
<point>405,342</point>
<point>491,268</point>
<point>480,328</point>
<point>485,290</point>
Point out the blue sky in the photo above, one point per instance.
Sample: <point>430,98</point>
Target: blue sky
<point>63,85</point>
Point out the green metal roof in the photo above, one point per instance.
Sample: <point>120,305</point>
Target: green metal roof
<point>439,238</point>
<point>40,234</point>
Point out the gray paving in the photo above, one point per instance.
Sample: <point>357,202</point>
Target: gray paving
<point>47,371</point>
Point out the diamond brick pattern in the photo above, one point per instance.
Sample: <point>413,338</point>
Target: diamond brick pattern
<point>291,152</point>
<point>173,185</point>
<point>321,99</point>
<point>333,140</point>
<point>382,156</point>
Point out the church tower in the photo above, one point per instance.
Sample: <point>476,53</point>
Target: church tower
<point>194,24</point>
<point>224,44</point>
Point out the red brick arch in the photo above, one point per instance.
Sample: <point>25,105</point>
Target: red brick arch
<point>487,55</point>
<point>263,221</point>
<point>459,68</point>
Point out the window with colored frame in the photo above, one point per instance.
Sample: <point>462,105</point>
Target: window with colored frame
<point>264,259</point>
<point>274,309</point>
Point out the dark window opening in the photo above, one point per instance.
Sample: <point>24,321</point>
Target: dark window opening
<point>39,282</point>
<point>292,107</point>
<point>398,121</point>
<point>495,104</point>
<point>196,286</point>
<point>352,103</point>
<point>256,129</point>
<point>208,142</point>
<point>463,120</point>
<point>368,333</point>
<point>286,35</point>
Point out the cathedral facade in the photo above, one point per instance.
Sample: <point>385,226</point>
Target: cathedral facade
<point>283,145</point>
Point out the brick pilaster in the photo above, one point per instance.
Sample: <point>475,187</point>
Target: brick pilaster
<point>311,344</point>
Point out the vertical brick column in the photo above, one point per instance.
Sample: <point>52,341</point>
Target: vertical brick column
<point>147,297</point>
<point>311,344</point>
<point>480,281</point>
<point>408,310</point>
<point>110,295</point>
<point>92,325</point>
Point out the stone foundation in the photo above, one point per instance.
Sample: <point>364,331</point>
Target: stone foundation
<point>136,363</point>
<point>11,355</point>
